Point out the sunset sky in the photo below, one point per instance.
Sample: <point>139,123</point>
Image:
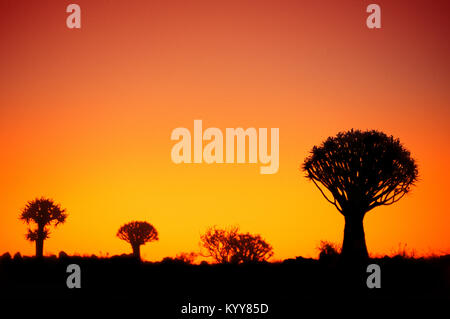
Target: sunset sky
<point>86,117</point>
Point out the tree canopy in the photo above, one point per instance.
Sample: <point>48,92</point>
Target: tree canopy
<point>137,233</point>
<point>230,246</point>
<point>43,212</point>
<point>362,169</point>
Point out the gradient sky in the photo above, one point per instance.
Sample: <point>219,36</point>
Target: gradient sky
<point>86,117</point>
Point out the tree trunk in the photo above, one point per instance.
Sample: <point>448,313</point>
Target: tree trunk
<point>40,243</point>
<point>354,247</point>
<point>136,251</point>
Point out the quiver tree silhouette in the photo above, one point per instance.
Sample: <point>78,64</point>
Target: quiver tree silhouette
<point>137,233</point>
<point>361,170</point>
<point>43,212</point>
<point>230,246</point>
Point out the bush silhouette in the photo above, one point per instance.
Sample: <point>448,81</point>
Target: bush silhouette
<point>137,233</point>
<point>17,256</point>
<point>361,171</point>
<point>251,248</point>
<point>181,258</point>
<point>328,251</point>
<point>63,255</point>
<point>43,212</point>
<point>6,257</point>
<point>230,246</point>
<point>187,258</point>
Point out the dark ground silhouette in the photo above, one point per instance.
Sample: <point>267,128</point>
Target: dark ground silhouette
<point>166,286</point>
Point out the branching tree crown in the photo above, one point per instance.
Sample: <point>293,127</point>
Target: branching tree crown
<point>218,243</point>
<point>361,170</point>
<point>137,233</point>
<point>43,212</point>
<point>230,246</point>
<point>251,248</point>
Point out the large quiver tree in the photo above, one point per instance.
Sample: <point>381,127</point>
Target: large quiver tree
<point>357,171</point>
<point>43,212</point>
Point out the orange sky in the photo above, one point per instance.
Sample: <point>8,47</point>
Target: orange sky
<point>86,117</point>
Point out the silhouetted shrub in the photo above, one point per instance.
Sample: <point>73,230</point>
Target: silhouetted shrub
<point>229,246</point>
<point>403,252</point>
<point>63,255</point>
<point>181,258</point>
<point>328,251</point>
<point>17,257</point>
<point>187,258</point>
<point>6,257</point>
